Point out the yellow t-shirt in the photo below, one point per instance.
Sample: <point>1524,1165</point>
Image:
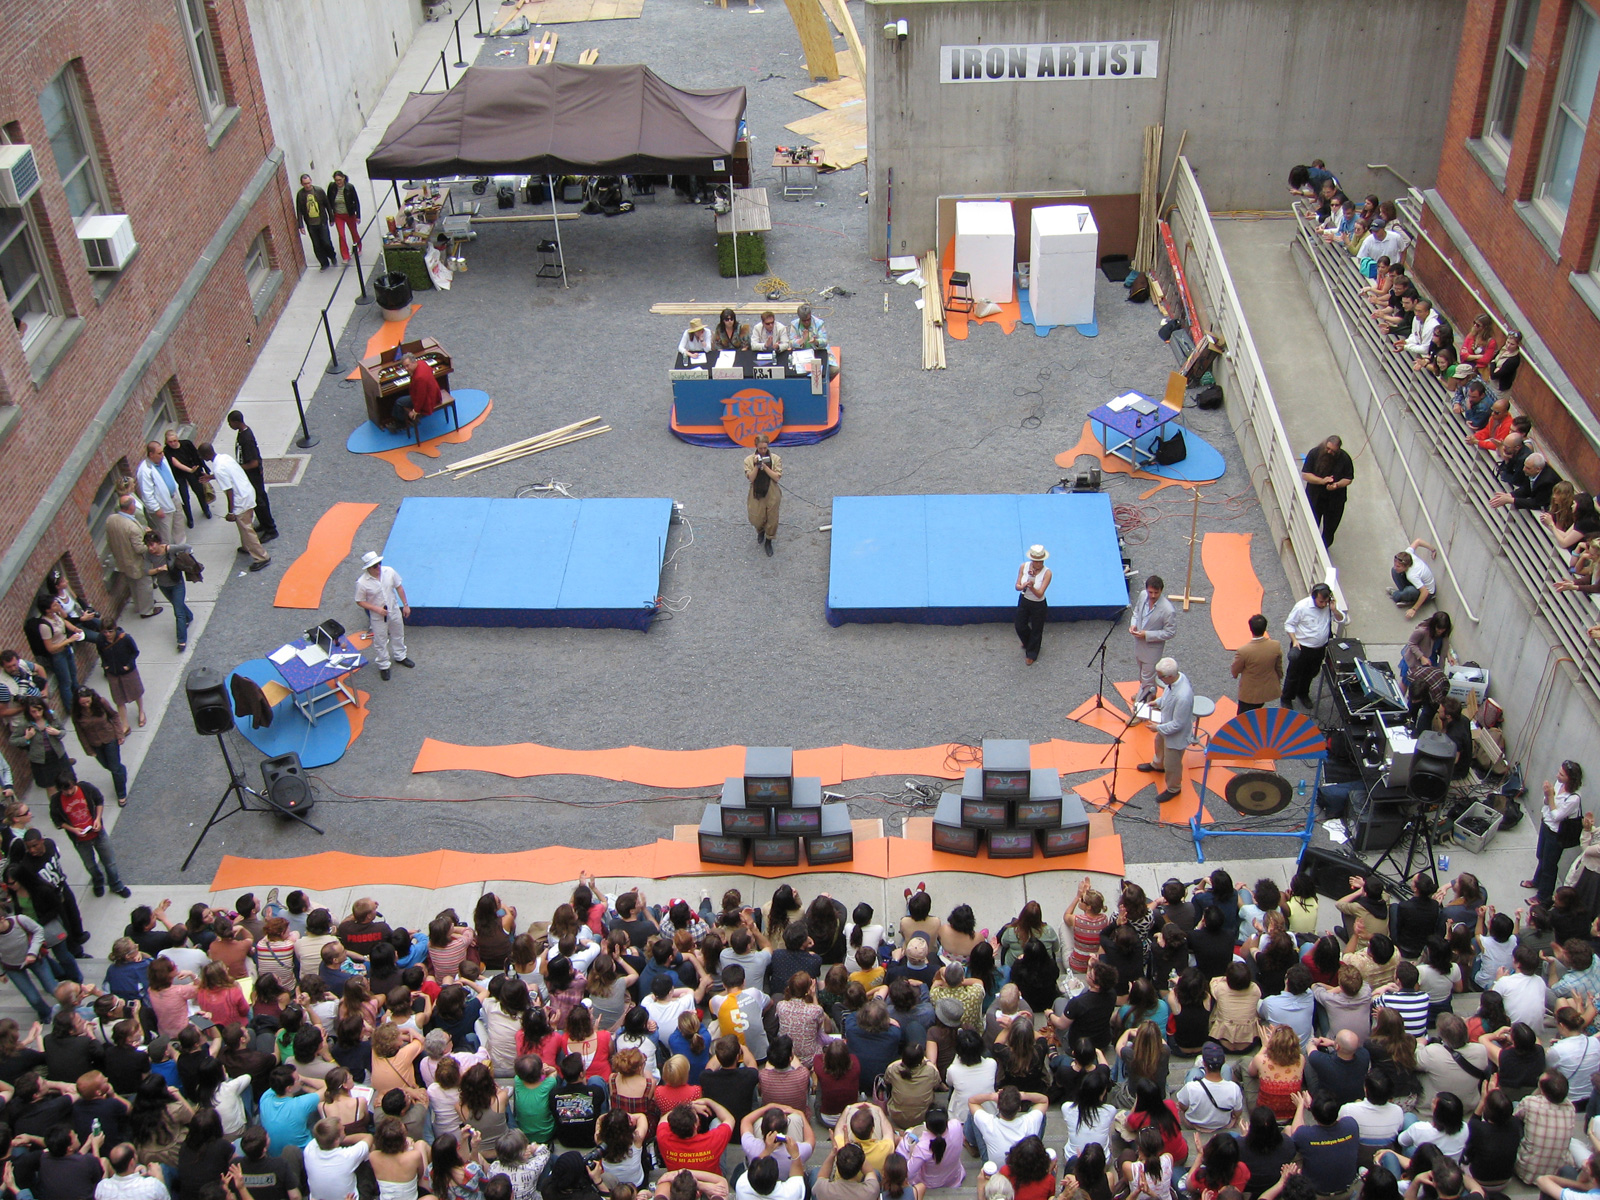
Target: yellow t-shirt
<point>869,978</point>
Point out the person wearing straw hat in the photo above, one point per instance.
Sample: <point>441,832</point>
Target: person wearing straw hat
<point>763,469</point>
<point>696,339</point>
<point>1033,580</point>
<point>380,591</point>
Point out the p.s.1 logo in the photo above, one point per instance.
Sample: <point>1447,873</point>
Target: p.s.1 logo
<point>749,412</point>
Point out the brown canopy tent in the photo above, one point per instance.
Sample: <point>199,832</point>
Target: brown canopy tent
<point>559,118</point>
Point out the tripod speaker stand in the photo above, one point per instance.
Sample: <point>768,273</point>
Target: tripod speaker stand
<point>238,790</point>
<point>1419,819</point>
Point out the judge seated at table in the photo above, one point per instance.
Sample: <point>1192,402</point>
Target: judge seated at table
<point>809,333</point>
<point>422,397</point>
<point>769,336</point>
<point>729,334</point>
<point>696,339</point>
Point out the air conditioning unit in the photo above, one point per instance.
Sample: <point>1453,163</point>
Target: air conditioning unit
<point>19,175</point>
<point>107,242</point>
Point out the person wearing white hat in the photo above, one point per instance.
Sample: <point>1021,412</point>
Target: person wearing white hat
<point>380,591</point>
<point>696,339</point>
<point>1033,579</point>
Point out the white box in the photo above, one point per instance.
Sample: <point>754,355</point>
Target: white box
<point>1064,248</point>
<point>986,247</point>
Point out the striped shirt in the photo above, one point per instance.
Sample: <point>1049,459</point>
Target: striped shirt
<point>1412,1007</point>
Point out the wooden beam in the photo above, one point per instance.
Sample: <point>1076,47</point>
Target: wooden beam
<point>816,42</point>
<point>840,12</point>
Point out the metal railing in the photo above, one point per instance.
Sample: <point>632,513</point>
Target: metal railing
<point>1247,388</point>
<point>461,61</point>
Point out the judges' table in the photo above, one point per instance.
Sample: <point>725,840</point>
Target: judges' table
<point>751,393</point>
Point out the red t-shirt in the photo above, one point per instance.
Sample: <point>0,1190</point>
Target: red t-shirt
<point>703,1152</point>
<point>1039,1189</point>
<point>424,389</point>
<point>1172,1143</point>
<point>835,1095</point>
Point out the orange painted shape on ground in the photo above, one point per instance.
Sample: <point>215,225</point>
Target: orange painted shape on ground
<point>1110,464</point>
<point>627,764</point>
<point>390,334</point>
<point>329,545</point>
<point>824,762</point>
<point>955,323</point>
<point>357,713</point>
<point>400,458</point>
<point>1235,591</point>
<point>859,762</point>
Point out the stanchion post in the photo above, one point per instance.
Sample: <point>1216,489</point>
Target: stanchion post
<point>305,441</point>
<point>361,279</point>
<point>461,61</point>
<point>334,366</point>
<point>478,13</point>
<point>444,70</point>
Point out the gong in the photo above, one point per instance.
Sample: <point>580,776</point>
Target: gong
<point>1258,793</point>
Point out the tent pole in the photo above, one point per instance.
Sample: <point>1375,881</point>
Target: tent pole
<point>555,219</point>
<point>733,212</point>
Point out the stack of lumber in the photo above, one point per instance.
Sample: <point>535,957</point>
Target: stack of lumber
<point>694,308</point>
<point>543,50</point>
<point>842,130</point>
<point>932,315</point>
<point>512,451</point>
<point>588,58</point>
<point>1144,254</point>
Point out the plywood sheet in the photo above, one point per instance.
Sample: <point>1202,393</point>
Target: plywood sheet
<point>816,39</point>
<point>567,12</point>
<point>840,93</point>
<point>842,133</point>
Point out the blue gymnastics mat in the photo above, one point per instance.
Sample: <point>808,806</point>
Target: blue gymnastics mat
<point>952,560</point>
<point>591,564</point>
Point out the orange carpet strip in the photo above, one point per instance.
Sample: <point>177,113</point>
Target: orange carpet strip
<point>1235,591</point>
<point>331,538</point>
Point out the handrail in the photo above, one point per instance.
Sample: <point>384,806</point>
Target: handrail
<point>461,61</point>
<point>1255,391</point>
<point>1394,437</point>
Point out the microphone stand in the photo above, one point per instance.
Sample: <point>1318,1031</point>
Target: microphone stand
<point>1115,755</point>
<point>1100,653</point>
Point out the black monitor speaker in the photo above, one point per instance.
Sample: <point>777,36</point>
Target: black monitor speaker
<point>1381,818</point>
<point>286,787</point>
<point>208,701</point>
<point>1432,767</point>
<point>1332,869</point>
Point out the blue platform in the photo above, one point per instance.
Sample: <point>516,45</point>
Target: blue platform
<point>317,745</point>
<point>1090,328</point>
<point>952,560</point>
<point>590,564</point>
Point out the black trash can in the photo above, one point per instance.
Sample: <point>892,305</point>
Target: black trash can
<point>393,292</point>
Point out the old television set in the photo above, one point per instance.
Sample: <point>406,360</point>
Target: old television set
<point>745,822</point>
<point>775,851</point>
<point>1038,812</point>
<point>949,834</point>
<point>1006,773</point>
<point>1010,843</point>
<point>1064,840</point>
<point>835,841</point>
<point>797,820</point>
<point>769,775</point>
<point>985,813</point>
<point>717,847</point>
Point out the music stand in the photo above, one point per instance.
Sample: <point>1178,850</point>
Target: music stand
<point>238,789</point>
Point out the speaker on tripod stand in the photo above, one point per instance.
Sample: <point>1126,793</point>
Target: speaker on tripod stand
<point>208,702</point>
<point>1432,767</point>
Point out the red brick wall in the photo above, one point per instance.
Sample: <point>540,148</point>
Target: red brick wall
<point>1539,283</point>
<point>177,192</point>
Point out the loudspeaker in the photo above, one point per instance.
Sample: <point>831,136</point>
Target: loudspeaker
<point>1332,868</point>
<point>1382,818</point>
<point>208,701</point>
<point>286,787</point>
<point>1432,767</point>
<point>1258,793</point>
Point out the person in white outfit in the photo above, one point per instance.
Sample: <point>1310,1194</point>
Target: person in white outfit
<point>380,591</point>
<point>158,489</point>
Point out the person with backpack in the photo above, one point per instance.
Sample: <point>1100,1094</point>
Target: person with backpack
<point>172,567</point>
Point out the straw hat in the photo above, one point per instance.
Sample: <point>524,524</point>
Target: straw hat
<point>1038,553</point>
<point>370,559</point>
<point>696,325</point>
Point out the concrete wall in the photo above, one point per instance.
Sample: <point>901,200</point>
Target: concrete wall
<point>323,64</point>
<point>1259,84</point>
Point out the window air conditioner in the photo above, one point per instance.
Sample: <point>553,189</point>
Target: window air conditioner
<point>107,242</point>
<point>19,175</point>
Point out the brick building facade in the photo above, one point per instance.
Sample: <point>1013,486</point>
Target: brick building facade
<point>151,110</point>
<point>1512,224</point>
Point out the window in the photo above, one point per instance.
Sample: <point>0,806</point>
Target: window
<point>100,510</point>
<point>24,276</point>
<point>73,145</point>
<point>202,56</point>
<point>1580,68</point>
<point>163,414</point>
<point>257,265</point>
<point>1505,96</point>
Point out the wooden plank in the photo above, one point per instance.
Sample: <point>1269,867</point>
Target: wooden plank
<point>752,210</point>
<point>693,308</point>
<point>815,40</point>
<point>509,13</point>
<point>840,12</point>
<point>841,132</point>
<point>841,93</point>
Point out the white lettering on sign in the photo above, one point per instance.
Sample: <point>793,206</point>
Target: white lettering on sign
<point>1050,62</point>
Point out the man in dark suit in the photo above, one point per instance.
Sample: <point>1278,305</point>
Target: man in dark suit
<point>1531,488</point>
<point>1258,666</point>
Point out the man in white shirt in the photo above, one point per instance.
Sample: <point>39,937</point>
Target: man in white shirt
<point>331,1161</point>
<point>1210,1103</point>
<point>1524,992</point>
<point>380,591</point>
<point>666,1004</point>
<point>158,489</point>
<point>1414,584</point>
<point>1380,240</point>
<point>1152,625</point>
<point>763,1180</point>
<point>1310,625</point>
<point>1174,730</point>
<point>187,958</point>
<point>769,335</point>
<point>1377,1116</point>
<point>1423,322</point>
<point>229,476</point>
<point>993,1134</point>
<point>129,1180</point>
<point>1574,1053</point>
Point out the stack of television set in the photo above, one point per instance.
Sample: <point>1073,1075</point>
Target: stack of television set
<point>1010,809</point>
<point>767,815</point>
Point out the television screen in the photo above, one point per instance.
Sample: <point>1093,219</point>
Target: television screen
<point>1033,814</point>
<point>744,821</point>
<point>1010,843</point>
<point>1006,783</point>
<point>775,851</point>
<point>726,850</point>
<point>954,839</point>
<point>990,814</point>
<point>1073,839</point>
<point>824,851</point>
<point>768,790</point>
<point>797,820</point>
